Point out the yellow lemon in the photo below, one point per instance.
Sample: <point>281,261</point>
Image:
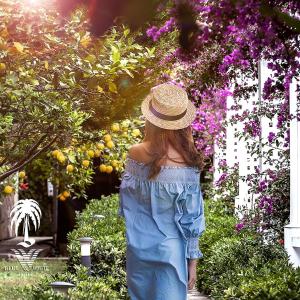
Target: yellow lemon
<point>115,127</point>
<point>55,152</point>
<point>62,198</point>
<point>97,153</point>
<point>22,174</point>
<point>114,163</point>
<point>85,163</point>
<point>8,189</point>
<point>125,124</point>
<point>102,168</point>
<point>107,138</point>
<point>66,194</point>
<point>83,148</point>
<point>2,66</point>
<point>70,168</point>
<point>91,153</point>
<point>109,169</point>
<point>135,132</point>
<point>100,146</point>
<point>61,158</point>
<point>110,144</point>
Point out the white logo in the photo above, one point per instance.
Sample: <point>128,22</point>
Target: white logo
<point>26,210</point>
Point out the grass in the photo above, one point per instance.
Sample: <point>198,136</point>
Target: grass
<point>12,275</point>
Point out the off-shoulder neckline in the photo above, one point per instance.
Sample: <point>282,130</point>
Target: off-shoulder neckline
<point>163,167</point>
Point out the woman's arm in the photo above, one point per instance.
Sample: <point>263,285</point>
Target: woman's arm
<point>192,273</point>
<point>191,222</point>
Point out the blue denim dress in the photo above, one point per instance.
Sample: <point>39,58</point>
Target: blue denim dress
<point>164,219</point>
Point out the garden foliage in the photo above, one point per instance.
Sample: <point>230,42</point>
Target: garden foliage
<point>241,264</point>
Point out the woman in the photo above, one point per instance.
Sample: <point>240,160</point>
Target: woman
<point>161,200</point>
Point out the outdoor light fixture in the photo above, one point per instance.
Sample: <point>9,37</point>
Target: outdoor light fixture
<point>61,287</point>
<point>85,244</point>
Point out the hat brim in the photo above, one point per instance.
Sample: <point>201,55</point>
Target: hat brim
<point>183,122</point>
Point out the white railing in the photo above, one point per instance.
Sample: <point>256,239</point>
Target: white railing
<point>236,151</point>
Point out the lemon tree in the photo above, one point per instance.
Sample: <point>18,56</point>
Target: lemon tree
<point>58,83</point>
<point>73,166</point>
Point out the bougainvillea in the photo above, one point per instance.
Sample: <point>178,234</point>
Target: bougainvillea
<point>223,54</point>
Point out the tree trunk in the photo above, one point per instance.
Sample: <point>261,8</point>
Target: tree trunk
<point>5,208</point>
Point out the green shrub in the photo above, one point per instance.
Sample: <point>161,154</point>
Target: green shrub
<point>277,280</point>
<point>86,287</point>
<point>236,258</point>
<point>219,224</point>
<point>108,249</point>
<point>241,265</point>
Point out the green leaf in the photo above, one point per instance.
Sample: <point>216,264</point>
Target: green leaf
<point>126,32</point>
<point>129,73</point>
<point>115,56</point>
<point>151,51</point>
<point>34,82</point>
<point>91,58</point>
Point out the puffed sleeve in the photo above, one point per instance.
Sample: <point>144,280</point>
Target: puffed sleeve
<point>190,218</point>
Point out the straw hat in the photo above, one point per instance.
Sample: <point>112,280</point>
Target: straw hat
<point>167,106</point>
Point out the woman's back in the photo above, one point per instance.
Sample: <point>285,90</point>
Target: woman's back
<point>141,152</point>
<point>164,218</point>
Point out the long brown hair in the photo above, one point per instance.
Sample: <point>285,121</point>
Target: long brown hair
<point>180,139</point>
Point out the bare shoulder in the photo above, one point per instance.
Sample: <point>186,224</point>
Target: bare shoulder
<point>137,152</point>
<point>134,149</point>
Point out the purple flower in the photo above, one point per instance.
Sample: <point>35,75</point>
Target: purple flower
<point>262,186</point>
<point>271,137</point>
<point>239,226</point>
<point>221,179</point>
<point>266,203</point>
<point>252,127</point>
<point>268,90</point>
<point>222,163</point>
<point>155,33</point>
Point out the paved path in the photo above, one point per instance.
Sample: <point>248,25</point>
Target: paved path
<point>195,295</point>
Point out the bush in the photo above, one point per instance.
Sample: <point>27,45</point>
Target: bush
<point>108,249</point>
<point>275,281</point>
<point>108,254</point>
<point>219,224</point>
<point>87,287</point>
<point>241,265</point>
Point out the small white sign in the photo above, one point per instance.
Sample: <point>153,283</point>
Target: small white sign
<point>49,188</point>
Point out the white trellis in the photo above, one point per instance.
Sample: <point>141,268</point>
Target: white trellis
<point>292,230</point>
<point>237,151</point>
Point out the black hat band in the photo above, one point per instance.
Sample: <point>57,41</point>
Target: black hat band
<point>163,116</point>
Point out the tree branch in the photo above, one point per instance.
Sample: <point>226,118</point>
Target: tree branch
<point>31,150</point>
<point>20,166</point>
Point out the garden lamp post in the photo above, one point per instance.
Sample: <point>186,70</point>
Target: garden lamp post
<point>61,287</point>
<point>85,245</point>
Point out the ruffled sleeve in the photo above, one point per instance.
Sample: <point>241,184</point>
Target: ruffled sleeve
<point>190,218</point>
